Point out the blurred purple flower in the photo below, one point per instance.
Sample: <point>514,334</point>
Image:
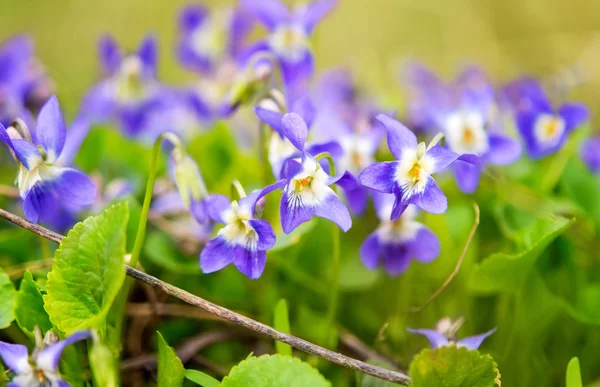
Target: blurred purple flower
<point>43,368</point>
<point>409,177</point>
<point>590,154</point>
<point>48,190</point>
<point>442,339</point>
<point>396,243</point>
<point>243,241</point>
<point>289,37</point>
<point>543,129</point>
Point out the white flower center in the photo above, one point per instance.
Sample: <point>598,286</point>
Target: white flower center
<point>209,38</point>
<point>465,133</point>
<point>129,82</point>
<point>309,187</point>
<point>280,149</point>
<point>401,230</point>
<point>548,129</point>
<point>413,170</point>
<point>238,230</point>
<point>357,154</point>
<point>290,41</point>
<point>26,179</point>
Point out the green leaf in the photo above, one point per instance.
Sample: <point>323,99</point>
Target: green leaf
<point>506,272</point>
<point>29,306</point>
<point>452,366</point>
<point>274,371</point>
<point>88,271</point>
<point>574,373</point>
<point>170,369</point>
<point>282,323</point>
<point>104,366</point>
<point>7,300</point>
<point>201,378</point>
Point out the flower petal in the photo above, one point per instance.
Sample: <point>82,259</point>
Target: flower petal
<point>356,195</point>
<point>379,176</point>
<point>310,15</point>
<point>526,94</point>
<point>217,254</point>
<point>473,342</point>
<point>199,211</point>
<point>396,257</point>
<point>268,12</point>
<point>191,16</point>
<point>270,188</point>
<point>294,129</point>
<point>296,74</point>
<point>435,338</point>
<point>333,209</point>
<point>503,149</point>
<point>574,115</point>
<point>426,246</point>
<point>369,251</point>
<point>399,137</point>
<point>590,154</point>
<point>294,213</point>
<point>441,157</point>
<point>26,152</point>
<point>467,173</point>
<point>148,53</point>
<point>15,357</point>
<point>110,54</point>
<point>270,117</point>
<point>250,263</point>
<point>50,130</point>
<point>432,199</point>
<point>305,108</point>
<point>49,357</point>
<point>266,236</point>
<point>216,206</point>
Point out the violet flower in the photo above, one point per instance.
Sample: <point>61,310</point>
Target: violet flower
<point>409,178</point>
<point>464,110</point>
<point>289,36</point>
<point>243,241</point>
<point>590,154</point>
<point>445,335</point>
<point>397,243</point>
<point>543,128</point>
<point>42,369</point>
<point>47,188</point>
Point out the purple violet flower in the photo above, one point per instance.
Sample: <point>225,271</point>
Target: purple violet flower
<point>289,36</point>
<point>543,128</point>
<point>43,368</point>
<point>397,243</point>
<point>47,189</point>
<point>243,241</point>
<point>445,335</point>
<point>590,154</point>
<point>409,178</point>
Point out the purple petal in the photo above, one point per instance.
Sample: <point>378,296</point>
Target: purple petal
<point>426,246</point>
<point>526,94</point>
<point>25,151</point>
<point>467,173</point>
<point>216,205</point>
<point>75,136</point>
<point>574,115</point>
<point>110,54</point>
<point>356,195</point>
<point>396,257</point>
<point>270,117</point>
<point>401,202</point>
<point>435,338</point>
<point>297,74</point>
<point>268,12</point>
<point>590,154</point>
<point>250,263</point>
<point>50,129</point>
<point>294,129</point>
<point>432,199</point>
<point>49,357</point>
<point>503,150</point>
<point>198,210</point>
<point>240,27</point>
<point>291,167</point>
<point>270,188</point>
<point>379,176</point>
<point>331,147</point>
<point>191,16</point>
<point>293,214</point>
<point>441,157</point>
<point>249,202</point>
<point>266,236</point>
<point>15,357</point>
<point>311,14</point>
<point>333,209</point>
<point>217,254</point>
<point>148,53</point>
<point>526,121</point>
<point>369,251</point>
<point>74,189</point>
<point>304,107</point>
<point>428,95</point>
<point>473,342</point>
<point>399,137</point>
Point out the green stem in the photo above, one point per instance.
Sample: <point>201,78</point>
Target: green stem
<point>237,190</point>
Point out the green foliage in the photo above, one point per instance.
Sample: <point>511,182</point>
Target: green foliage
<point>88,271</point>
<point>282,323</point>
<point>274,371</point>
<point>574,373</point>
<point>170,369</point>
<point>104,365</point>
<point>200,378</point>
<point>7,300</point>
<point>29,306</point>
<point>453,366</point>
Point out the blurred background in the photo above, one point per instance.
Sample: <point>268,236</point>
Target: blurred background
<point>554,39</point>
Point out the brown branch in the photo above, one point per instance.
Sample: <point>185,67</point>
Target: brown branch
<point>456,268</point>
<point>231,316</point>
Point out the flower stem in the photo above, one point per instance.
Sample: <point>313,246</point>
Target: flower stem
<point>237,190</point>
